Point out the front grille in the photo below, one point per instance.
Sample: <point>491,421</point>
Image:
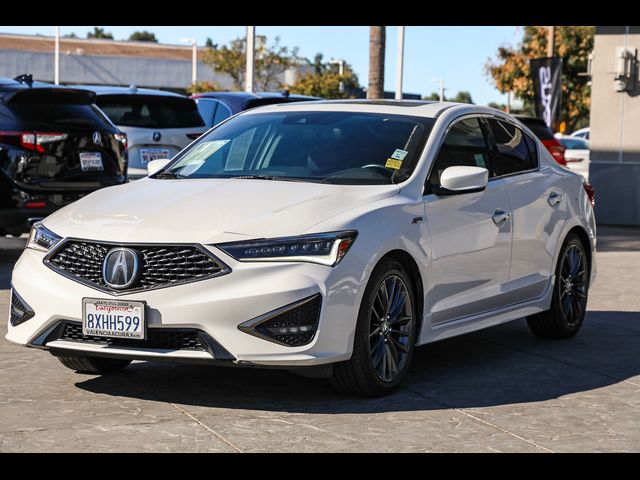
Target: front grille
<point>161,265</point>
<point>157,338</point>
<point>20,312</point>
<point>293,325</point>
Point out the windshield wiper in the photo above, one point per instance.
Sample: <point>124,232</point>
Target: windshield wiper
<point>166,175</point>
<point>271,177</point>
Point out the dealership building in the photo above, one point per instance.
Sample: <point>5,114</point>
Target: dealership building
<point>109,62</point>
<point>615,125</point>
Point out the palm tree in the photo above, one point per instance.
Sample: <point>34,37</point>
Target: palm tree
<point>376,62</point>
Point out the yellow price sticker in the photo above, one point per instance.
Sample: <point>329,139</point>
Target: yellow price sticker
<point>393,163</point>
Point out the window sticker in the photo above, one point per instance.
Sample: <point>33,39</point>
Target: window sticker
<point>399,154</point>
<point>479,158</point>
<point>393,163</point>
<point>203,151</point>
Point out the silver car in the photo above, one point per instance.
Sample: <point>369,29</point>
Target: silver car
<point>158,124</point>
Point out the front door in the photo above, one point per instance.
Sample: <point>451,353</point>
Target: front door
<point>470,233</point>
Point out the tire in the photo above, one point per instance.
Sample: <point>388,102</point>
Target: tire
<point>360,375</point>
<point>569,302</point>
<point>95,365</point>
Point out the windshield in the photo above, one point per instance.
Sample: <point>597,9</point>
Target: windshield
<point>150,111</point>
<point>328,147</point>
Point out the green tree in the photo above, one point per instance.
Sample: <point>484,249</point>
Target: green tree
<point>463,97</point>
<point>326,79</point>
<point>499,106</point>
<point>70,35</point>
<point>209,43</point>
<point>143,36</point>
<point>99,33</point>
<point>271,61</point>
<point>435,96</point>
<point>201,87</point>
<point>510,71</point>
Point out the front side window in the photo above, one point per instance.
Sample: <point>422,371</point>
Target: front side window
<point>328,147</point>
<point>513,147</point>
<point>464,145</point>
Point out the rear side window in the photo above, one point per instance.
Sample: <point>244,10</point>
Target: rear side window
<point>513,154</point>
<point>60,115</point>
<point>150,111</point>
<point>222,113</point>
<point>464,145</point>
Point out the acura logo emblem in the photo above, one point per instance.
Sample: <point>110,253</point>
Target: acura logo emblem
<point>97,138</point>
<point>157,136</point>
<point>121,268</point>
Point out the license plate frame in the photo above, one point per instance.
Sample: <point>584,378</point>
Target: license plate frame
<point>149,154</point>
<point>115,308</point>
<point>91,162</point>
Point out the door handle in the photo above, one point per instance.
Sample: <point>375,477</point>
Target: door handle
<point>500,216</point>
<point>555,198</point>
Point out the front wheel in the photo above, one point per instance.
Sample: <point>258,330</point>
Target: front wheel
<point>96,365</point>
<point>385,335</point>
<point>569,302</point>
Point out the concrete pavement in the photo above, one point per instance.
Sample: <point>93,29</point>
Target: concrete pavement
<point>499,390</point>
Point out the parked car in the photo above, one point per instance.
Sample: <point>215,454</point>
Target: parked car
<point>330,238</point>
<point>55,147</point>
<point>582,133</point>
<point>546,136</point>
<point>158,124</point>
<point>217,106</point>
<point>576,154</point>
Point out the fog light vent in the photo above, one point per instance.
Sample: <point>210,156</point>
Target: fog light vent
<point>292,325</point>
<point>20,311</point>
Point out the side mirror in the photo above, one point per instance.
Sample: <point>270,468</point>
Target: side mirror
<point>456,180</point>
<point>154,166</point>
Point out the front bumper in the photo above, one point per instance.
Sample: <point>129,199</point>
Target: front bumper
<point>216,306</point>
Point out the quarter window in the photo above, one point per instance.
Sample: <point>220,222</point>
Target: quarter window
<point>515,151</point>
<point>464,145</point>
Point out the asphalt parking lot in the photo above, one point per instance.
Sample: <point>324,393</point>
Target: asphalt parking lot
<point>499,390</point>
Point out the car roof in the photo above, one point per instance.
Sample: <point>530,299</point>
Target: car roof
<point>418,108</point>
<point>252,95</point>
<point>9,84</point>
<point>131,90</point>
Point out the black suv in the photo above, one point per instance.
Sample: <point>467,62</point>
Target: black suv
<point>55,147</point>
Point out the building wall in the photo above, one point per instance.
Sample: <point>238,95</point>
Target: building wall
<point>615,132</point>
<point>114,70</point>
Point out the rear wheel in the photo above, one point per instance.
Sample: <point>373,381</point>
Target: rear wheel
<point>569,302</point>
<point>96,365</point>
<point>385,335</point>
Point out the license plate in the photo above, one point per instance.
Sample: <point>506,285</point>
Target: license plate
<point>150,154</point>
<point>91,162</point>
<point>113,318</point>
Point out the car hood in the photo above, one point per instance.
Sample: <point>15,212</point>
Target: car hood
<point>208,210</point>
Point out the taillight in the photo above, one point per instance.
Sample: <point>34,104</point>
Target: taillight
<point>122,138</point>
<point>557,152</point>
<point>193,136</point>
<point>32,140</point>
<point>591,193</point>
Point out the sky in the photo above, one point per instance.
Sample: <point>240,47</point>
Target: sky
<point>456,54</point>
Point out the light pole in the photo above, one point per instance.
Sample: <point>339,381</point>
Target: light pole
<point>251,52</point>
<point>56,58</point>
<point>194,58</point>
<point>400,63</point>
<point>441,80</point>
<point>340,64</point>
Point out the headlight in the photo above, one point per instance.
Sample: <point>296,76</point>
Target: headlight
<point>42,238</point>
<point>323,248</point>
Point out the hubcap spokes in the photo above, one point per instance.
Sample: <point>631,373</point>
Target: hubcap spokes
<point>390,328</point>
<point>572,285</point>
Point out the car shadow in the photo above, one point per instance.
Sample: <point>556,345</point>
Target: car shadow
<point>502,365</point>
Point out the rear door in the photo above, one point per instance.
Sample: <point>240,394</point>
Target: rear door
<point>538,207</point>
<point>157,126</point>
<point>72,144</point>
<point>470,233</point>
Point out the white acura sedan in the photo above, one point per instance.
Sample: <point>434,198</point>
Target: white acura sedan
<point>330,238</point>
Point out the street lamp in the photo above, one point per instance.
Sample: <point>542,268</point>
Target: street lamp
<point>56,58</point>
<point>194,59</point>
<point>400,63</point>
<point>441,80</point>
<point>340,64</point>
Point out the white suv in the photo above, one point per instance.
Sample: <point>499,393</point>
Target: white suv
<point>331,236</point>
